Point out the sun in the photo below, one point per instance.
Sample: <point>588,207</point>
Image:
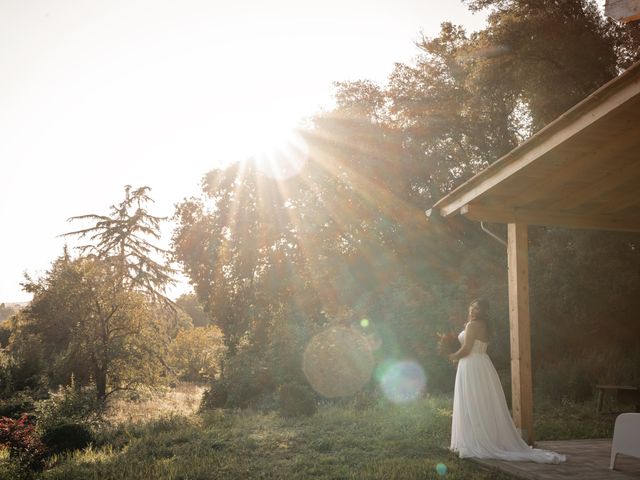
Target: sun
<point>280,151</point>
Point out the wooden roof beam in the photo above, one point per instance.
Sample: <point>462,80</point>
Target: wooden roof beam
<point>550,218</point>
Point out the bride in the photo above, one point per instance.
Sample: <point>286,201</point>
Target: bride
<point>482,426</point>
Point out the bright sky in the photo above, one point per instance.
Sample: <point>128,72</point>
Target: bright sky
<point>97,94</point>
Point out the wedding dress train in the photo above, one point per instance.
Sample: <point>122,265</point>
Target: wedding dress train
<point>482,426</point>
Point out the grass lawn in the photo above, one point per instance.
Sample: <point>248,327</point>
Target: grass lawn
<point>386,442</point>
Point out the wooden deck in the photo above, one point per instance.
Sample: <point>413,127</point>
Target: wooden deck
<point>586,460</point>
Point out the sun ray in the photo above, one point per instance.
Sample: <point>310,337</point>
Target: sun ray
<point>308,246</point>
<point>376,196</point>
<point>368,198</point>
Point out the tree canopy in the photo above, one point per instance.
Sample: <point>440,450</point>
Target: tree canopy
<point>347,238</point>
<point>91,328</point>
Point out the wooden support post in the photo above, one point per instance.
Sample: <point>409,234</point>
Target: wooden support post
<point>520,328</point>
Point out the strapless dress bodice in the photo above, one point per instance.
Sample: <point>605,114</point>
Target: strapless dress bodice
<point>478,345</point>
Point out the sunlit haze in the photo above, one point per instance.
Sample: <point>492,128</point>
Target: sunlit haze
<point>95,95</point>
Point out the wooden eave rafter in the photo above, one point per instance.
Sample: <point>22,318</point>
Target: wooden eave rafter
<point>595,147</point>
<point>551,218</point>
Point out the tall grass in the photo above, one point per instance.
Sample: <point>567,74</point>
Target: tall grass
<point>184,399</point>
<point>566,420</point>
<point>339,442</point>
<point>384,442</point>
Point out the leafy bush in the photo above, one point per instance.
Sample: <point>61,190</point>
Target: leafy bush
<point>243,391</point>
<point>296,400</point>
<point>6,381</point>
<point>564,381</point>
<point>17,405</point>
<point>67,436</point>
<point>68,403</point>
<point>5,333</point>
<point>196,353</point>
<point>214,397</point>
<point>247,380</point>
<point>27,364</point>
<point>20,438</point>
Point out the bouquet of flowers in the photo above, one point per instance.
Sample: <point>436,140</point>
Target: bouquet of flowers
<point>447,344</point>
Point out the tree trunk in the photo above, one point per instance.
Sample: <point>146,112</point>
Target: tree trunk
<point>101,384</point>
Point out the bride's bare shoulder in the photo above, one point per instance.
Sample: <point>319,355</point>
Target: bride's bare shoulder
<point>478,327</point>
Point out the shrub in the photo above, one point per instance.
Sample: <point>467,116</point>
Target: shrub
<point>6,381</point>
<point>366,398</point>
<point>68,403</point>
<point>5,334</point>
<point>15,406</point>
<point>214,397</point>
<point>247,380</point>
<point>243,391</point>
<point>67,436</point>
<point>19,437</point>
<point>565,380</point>
<point>296,400</point>
<point>196,353</point>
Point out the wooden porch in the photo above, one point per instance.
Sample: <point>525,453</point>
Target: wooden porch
<point>586,460</point>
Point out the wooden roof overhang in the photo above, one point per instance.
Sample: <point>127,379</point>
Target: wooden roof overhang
<point>580,171</point>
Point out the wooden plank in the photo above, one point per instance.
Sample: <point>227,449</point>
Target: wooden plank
<point>558,173</point>
<point>630,210</point>
<point>621,93</point>
<point>628,195</point>
<point>586,460</point>
<point>622,10</point>
<point>606,184</point>
<point>520,329</point>
<point>543,217</point>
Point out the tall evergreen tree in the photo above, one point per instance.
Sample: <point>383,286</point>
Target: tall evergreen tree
<point>121,240</point>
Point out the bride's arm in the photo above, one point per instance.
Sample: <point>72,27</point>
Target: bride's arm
<point>470,335</point>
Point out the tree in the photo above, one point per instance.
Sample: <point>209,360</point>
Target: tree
<point>196,353</point>
<point>92,328</point>
<point>120,240</point>
<point>240,251</point>
<point>188,302</point>
<point>349,232</point>
<point>532,47</point>
<point>6,311</point>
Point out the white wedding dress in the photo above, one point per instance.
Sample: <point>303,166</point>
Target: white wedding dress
<point>482,426</point>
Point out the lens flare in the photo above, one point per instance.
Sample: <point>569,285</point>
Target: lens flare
<point>441,469</point>
<point>402,382</point>
<point>338,362</point>
<point>364,323</point>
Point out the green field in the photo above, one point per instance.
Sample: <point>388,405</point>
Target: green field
<point>383,442</point>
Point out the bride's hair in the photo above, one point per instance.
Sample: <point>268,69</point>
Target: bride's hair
<point>483,313</point>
